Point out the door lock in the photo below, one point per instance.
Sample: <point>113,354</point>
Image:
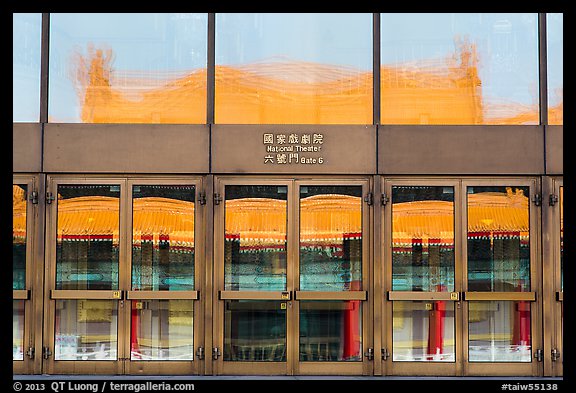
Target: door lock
<point>30,352</point>
<point>539,355</point>
<point>385,354</point>
<point>216,353</point>
<point>200,353</point>
<point>555,355</point>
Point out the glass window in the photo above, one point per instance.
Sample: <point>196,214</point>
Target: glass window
<point>254,331</point>
<point>128,68</point>
<point>163,237</point>
<point>330,238</point>
<point>162,330</point>
<point>330,331</point>
<point>499,331</point>
<point>498,239</point>
<point>293,68</point>
<point>477,68</point>
<point>423,331</point>
<point>255,238</point>
<point>26,48</point>
<point>423,238</point>
<point>555,57</point>
<point>19,206</point>
<point>18,330</point>
<point>87,245</point>
<point>86,330</point>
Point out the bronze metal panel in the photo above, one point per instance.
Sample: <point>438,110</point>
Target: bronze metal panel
<point>344,149</point>
<point>496,296</point>
<point>27,147</point>
<point>84,294</point>
<point>149,295</point>
<point>123,148</point>
<point>322,295</point>
<point>460,149</point>
<point>407,295</point>
<point>554,150</point>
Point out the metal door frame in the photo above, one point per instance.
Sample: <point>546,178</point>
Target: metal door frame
<point>123,364</point>
<point>32,294</point>
<point>552,304</point>
<point>462,367</point>
<point>390,367</point>
<point>292,366</point>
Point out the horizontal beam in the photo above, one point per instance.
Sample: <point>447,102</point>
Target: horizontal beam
<point>254,295</point>
<point>429,296</point>
<point>162,295</point>
<point>85,294</point>
<point>495,296</point>
<point>321,295</point>
<point>21,294</point>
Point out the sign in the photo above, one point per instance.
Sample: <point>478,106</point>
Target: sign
<point>293,148</point>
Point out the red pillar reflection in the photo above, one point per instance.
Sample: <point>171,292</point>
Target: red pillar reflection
<point>436,325</point>
<point>521,330</point>
<point>135,348</point>
<point>352,325</point>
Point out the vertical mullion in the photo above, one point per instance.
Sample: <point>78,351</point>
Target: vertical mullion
<point>376,67</point>
<point>44,65</point>
<point>543,69</point>
<point>210,72</point>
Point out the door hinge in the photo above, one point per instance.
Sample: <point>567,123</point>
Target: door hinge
<point>49,197</point>
<point>539,355</point>
<point>202,198</point>
<point>217,199</point>
<point>200,353</point>
<point>553,199</point>
<point>370,354</point>
<point>537,199</point>
<point>216,353</point>
<point>369,199</point>
<point>555,355</point>
<point>30,352</point>
<point>385,354</point>
<point>46,353</point>
<point>34,197</point>
<point>384,199</point>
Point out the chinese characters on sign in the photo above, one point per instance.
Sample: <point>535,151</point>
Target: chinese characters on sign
<point>293,148</point>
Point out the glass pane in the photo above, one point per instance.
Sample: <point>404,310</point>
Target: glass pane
<point>19,206</point>
<point>26,41</point>
<point>498,239</point>
<point>423,238</point>
<point>330,238</point>
<point>423,331</point>
<point>255,238</point>
<point>87,247</point>
<point>293,68</point>
<point>128,68</point>
<point>86,330</point>
<point>555,67</point>
<point>163,237</point>
<point>331,331</point>
<point>499,331</point>
<point>254,331</point>
<point>17,329</point>
<point>162,330</point>
<point>457,68</point>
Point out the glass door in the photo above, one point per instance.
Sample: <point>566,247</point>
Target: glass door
<point>85,247</point>
<point>163,304</point>
<point>460,277</point>
<point>253,276</point>
<point>291,276</point>
<point>24,218</point>
<point>501,332</point>
<point>331,312</point>
<point>123,292</point>
<point>422,305</point>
